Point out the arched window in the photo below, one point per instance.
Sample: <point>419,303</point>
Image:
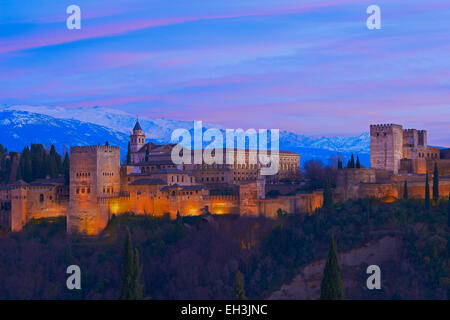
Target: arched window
<point>41,197</point>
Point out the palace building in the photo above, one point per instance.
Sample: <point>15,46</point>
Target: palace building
<point>151,184</point>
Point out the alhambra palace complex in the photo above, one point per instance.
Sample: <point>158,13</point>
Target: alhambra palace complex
<point>152,184</point>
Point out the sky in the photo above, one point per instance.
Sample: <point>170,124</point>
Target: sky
<point>307,66</point>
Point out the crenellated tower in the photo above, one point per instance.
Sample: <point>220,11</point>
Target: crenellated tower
<point>94,174</point>
<point>386,144</point>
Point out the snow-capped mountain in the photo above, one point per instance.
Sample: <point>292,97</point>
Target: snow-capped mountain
<point>156,129</point>
<point>21,125</point>
<point>20,128</point>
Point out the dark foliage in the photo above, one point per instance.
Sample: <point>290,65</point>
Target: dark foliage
<point>190,258</point>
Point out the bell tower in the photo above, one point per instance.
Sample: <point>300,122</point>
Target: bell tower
<point>137,141</point>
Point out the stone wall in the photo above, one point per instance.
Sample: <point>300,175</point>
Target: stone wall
<point>94,173</point>
<point>386,146</point>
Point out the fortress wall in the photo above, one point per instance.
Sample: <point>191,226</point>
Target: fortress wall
<point>348,181</point>
<point>417,189</point>
<point>299,203</point>
<point>443,167</point>
<point>269,207</point>
<point>308,203</point>
<point>419,166</point>
<point>378,190</point>
<point>222,204</point>
<point>18,208</point>
<point>42,203</point>
<point>249,196</point>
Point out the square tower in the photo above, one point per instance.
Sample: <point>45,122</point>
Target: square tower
<point>94,173</point>
<point>386,146</point>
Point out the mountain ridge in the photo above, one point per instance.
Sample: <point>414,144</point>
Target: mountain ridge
<point>78,126</point>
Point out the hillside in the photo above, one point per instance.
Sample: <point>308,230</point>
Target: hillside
<point>198,258</point>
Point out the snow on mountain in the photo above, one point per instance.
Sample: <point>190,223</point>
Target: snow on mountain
<point>20,128</point>
<point>157,129</point>
<point>21,125</point>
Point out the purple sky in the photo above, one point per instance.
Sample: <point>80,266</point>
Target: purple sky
<point>308,66</point>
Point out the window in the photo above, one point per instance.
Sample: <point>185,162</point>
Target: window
<point>41,197</point>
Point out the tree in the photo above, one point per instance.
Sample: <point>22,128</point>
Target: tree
<point>129,153</point>
<point>448,211</point>
<point>136,286</point>
<point>239,292</point>
<point>349,164</point>
<point>352,161</point>
<point>427,193</point>
<point>53,163</point>
<point>339,165</point>
<point>107,143</point>
<point>66,168</point>
<point>435,183</point>
<point>331,287</point>
<point>281,213</point>
<point>358,164</point>
<point>131,288</point>
<point>327,196</point>
<point>179,220</point>
<point>405,190</point>
<point>25,166</point>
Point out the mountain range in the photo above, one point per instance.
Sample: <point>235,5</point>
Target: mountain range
<point>64,127</point>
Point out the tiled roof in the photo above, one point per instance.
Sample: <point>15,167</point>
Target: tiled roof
<point>148,182</point>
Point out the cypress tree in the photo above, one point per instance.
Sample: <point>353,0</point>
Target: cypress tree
<point>128,269</point>
<point>358,164</point>
<point>435,183</point>
<point>331,287</point>
<point>327,196</point>
<point>349,164</point>
<point>129,153</point>
<point>179,220</point>
<point>427,193</point>
<point>52,163</point>
<point>448,212</point>
<point>25,166</point>
<point>352,161</point>
<point>66,168</point>
<point>107,143</point>
<point>405,190</point>
<point>136,286</point>
<point>239,292</point>
<point>339,164</point>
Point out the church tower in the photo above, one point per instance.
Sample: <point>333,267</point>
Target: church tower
<point>137,141</point>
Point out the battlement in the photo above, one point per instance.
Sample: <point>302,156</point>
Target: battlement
<point>384,127</point>
<point>93,149</point>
